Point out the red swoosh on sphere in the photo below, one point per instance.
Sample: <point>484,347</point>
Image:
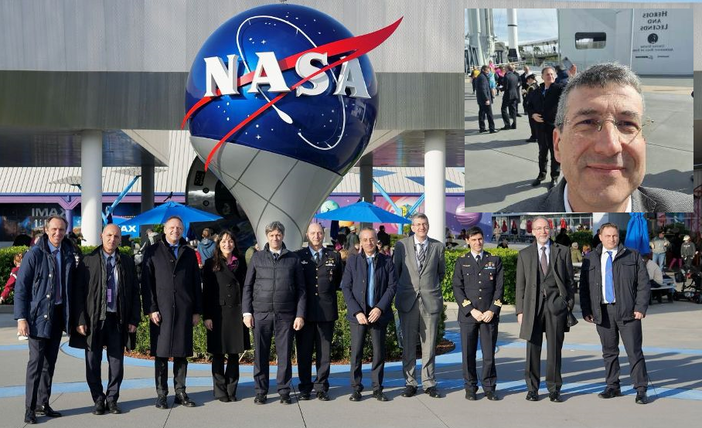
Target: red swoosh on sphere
<point>358,46</point>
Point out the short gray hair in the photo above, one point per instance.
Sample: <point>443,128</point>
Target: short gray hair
<point>420,216</point>
<point>599,75</point>
<point>275,225</point>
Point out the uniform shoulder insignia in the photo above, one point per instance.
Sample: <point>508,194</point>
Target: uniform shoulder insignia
<point>498,303</point>
<point>465,303</point>
<point>304,262</point>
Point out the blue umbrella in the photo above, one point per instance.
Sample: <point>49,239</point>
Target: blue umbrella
<point>637,234</point>
<point>362,212</point>
<point>161,213</point>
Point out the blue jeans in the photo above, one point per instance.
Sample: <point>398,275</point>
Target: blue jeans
<point>659,259</point>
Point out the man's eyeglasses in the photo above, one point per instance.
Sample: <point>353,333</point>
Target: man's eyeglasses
<point>539,229</point>
<point>629,129</point>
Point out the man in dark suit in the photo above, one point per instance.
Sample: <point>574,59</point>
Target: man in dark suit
<point>369,285</point>
<point>420,266</point>
<point>106,307</point>
<point>322,269</point>
<point>478,288</point>
<point>614,294</point>
<point>510,99</point>
<point>45,283</point>
<point>172,293</point>
<point>484,96</point>
<point>544,295</point>
<point>599,139</point>
<point>274,303</point>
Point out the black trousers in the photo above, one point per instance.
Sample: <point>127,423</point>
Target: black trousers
<point>554,327</point>
<point>545,138</point>
<point>265,326</point>
<point>358,340</point>
<point>42,362</point>
<point>314,335</point>
<point>225,382</point>
<point>469,347</point>
<point>180,371</point>
<point>510,106</point>
<point>534,128</point>
<point>483,112</point>
<point>110,336</point>
<point>609,330</point>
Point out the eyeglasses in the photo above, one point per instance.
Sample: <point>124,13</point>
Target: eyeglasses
<point>628,129</point>
<point>539,229</point>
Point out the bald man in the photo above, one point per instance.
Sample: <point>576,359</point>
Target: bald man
<point>106,308</point>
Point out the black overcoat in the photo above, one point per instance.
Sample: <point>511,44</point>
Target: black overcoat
<point>172,287</point>
<point>221,303</point>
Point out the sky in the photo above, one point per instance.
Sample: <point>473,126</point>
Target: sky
<point>532,24</point>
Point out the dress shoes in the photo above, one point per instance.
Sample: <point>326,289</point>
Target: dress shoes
<point>432,392</point>
<point>113,408</point>
<point>305,396</point>
<point>531,140</point>
<point>513,127</point>
<point>380,396</point>
<point>506,128</point>
<point>538,180</point>
<point>519,115</point>
<point>183,399</point>
<point>260,399</point>
<point>532,396</point>
<point>482,130</point>
<point>225,399</point>
<point>161,402</point>
<point>355,396</point>
<point>610,393</point>
<point>555,397</point>
<point>553,183</point>
<point>285,399</point>
<point>492,396</point>
<point>409,391</point>
<point>30,417</point>
<point>641,397</point>
<point>46,410</point>
<point>470,395</point>
<point>494,131</point>
<point>99,408</point>
<point>322,396</point>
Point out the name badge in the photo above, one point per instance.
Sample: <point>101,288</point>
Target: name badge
<point>304,262</point>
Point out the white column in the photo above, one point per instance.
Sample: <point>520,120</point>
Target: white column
<point>91,186</point>
<point>512,34</point>
<point>435,182</point>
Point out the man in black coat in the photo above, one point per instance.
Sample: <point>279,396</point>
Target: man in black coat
<point>543,296</point>
<point>369,285</point>
<point>274,302</point>
<point>172,294</point>
<point>484,96</point>
<point>478,288</point>
<point>510,99</point>
<point>614,294</point>
<point>106,308</point>
<point>544,104</point>
<point>322,269</point>
<point>43,292</point>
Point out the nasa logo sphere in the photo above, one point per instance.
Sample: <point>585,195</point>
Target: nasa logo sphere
<point>248,74</point>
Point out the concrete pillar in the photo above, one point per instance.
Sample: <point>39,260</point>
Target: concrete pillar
<point>147,182</point>
<point>91,186</point>
<point>366,181</point>
<point>435,182</point>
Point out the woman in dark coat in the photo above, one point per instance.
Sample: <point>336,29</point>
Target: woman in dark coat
<point>223,277</point>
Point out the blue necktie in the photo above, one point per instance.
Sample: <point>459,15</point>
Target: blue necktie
<point>371,283</point>
<point>58,298</point>
<point>609,280</point>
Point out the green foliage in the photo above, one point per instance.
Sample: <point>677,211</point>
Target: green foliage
<point>582,238</point>
<point>158,228</point>
<point>509,268</point>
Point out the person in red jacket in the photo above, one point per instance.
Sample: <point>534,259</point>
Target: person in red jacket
<point>10,285</point>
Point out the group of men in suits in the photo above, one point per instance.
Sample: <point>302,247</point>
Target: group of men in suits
<point>293,294</point>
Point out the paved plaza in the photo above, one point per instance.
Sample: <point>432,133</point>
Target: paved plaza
<point>672,347</point>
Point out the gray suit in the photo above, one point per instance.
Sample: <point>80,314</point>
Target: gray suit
<point>644,199</point>
<point>419,302</point>
<point>543,301</point>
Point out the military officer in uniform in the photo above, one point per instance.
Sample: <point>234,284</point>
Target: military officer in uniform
<point>478,289</point>
<point>322,270</point>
